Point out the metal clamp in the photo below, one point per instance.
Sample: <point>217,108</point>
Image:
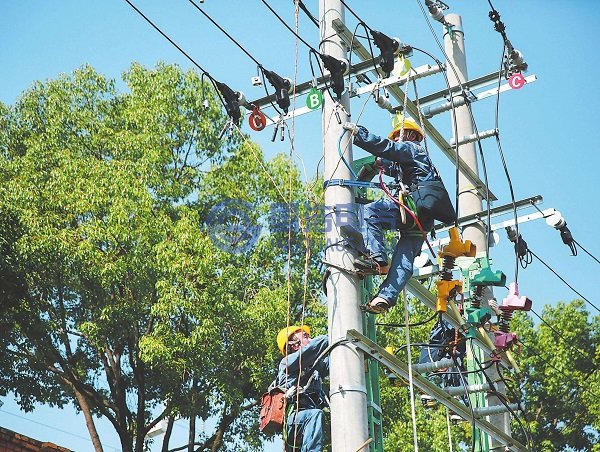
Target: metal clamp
<point>341,389</point>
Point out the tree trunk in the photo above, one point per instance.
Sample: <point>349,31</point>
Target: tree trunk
<point>167,437</point>
<point>89,420</point>
<point>192,434</point>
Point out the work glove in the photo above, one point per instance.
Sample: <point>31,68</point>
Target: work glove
<point>351,126</point>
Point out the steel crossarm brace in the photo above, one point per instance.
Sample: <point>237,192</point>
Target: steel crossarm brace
<point>432,110</point>
<point>394,364</point>
<point>424,295</point>
<point>472,84</point>
<point>494,211</point>
<point>346,35</point>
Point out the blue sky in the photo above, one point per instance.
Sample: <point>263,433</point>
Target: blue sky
<point>548,129</point>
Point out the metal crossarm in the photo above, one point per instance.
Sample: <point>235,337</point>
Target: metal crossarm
<point>394,364</point>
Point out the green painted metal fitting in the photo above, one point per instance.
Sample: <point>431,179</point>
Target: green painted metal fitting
<point>471,332</point>
<point>478,316</point>
<point>487,277</point>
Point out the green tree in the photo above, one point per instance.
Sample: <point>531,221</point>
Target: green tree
<point>559,382</point>
<point>129,307</point>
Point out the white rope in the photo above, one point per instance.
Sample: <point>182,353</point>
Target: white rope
<point>410,375</point>
<point>449,431</point>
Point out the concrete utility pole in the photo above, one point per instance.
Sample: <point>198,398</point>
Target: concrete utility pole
<point>348,394</point>
<point>469,200</point>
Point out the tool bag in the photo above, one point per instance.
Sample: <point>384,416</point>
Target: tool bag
<point>432,200</point>
<point>272,411</point>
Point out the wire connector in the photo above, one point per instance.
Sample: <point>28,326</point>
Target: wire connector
<point>231,99</point>
<point>388,47</point>
<point>337,69</point>
<point>557,221</point>
<point>436,10</point>
<point>282,87</point>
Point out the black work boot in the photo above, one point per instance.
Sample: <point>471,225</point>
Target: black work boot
<point>371,266</point>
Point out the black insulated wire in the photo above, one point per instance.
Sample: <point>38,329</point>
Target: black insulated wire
<point>228,104</point>
<point>281,85</point>
<point>564,340</point>
<point>465,94</point>
<point>501,153</point>
<point>288,27</point>
<point>565,282</point>
<point>443,70</point>
<point>336,67</point>
<point>402,325</point>
<point>388,47</point>
<point>303,7</point>
<point>225,32</point>
<point>168,39</point>
<point>586,251</point>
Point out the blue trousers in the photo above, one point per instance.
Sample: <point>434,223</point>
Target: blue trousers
<point>308,426</point>
<point>384,215</point>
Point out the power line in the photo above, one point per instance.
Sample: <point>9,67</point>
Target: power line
<point>549,364</point>
<point>168,39</point>
<point>281,85</point>
<point>587,252</point>
<point>554,330</point>
<point>225,32</point>
<point>227,96</point>
<point>51,427</point>
<point>308,13</point>
<point>288,27</point>
<point>564,281</point>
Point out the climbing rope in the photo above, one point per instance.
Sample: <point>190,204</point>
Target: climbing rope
<point>410,374</point>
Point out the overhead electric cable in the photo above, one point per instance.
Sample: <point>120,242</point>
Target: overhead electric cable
<point>564,281</point>
<point>307,12</point>
<point>288,27</point>
<point>565,341</point>
<point>586,251</point>
<point>561,397</point>
<point>281,85</point>
<point>454,123</point>
<point>168,39</point>
<point>225,93</point>
<point>225,33</point>
<point>469,107</point>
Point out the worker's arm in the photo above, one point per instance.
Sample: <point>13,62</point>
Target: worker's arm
<point>400,151</point>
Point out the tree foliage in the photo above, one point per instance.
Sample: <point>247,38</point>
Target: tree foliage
<point>120,299</point>
<point>432,423</point>
<point>559,382</point>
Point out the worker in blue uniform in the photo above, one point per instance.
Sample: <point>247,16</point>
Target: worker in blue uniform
<point>417,173</point>
<point>301,371</point>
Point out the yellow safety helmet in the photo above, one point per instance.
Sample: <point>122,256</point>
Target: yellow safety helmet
<point>409,124</point>
<point>285,333</point>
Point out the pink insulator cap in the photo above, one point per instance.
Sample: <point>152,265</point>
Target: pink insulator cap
<point>503,340</point>
<point>515,302</point>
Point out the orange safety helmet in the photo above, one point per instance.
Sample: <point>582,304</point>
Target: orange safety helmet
<point>285,333</point>
<point>409,124</point>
